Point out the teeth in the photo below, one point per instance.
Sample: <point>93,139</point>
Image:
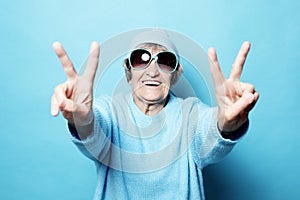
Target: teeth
<point>151,83</point>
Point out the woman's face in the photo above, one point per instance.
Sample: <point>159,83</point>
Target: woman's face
<point>150,86</point>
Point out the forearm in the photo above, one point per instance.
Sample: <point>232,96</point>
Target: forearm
<point>81,132</point>
<point>212,145</point>
<point>94,140</point>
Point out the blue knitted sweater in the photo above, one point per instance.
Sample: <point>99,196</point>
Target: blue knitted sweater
<point>153,157</point>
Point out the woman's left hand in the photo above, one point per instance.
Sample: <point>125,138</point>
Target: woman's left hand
<point>235,99</point>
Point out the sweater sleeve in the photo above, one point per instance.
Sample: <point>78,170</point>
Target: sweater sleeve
<point>96,146</point>
<point>209,144</point>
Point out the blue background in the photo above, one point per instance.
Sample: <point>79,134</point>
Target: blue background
<point>38,160</point>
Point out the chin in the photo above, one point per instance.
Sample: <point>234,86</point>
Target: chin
<point>154,98</point>
<point>151,95</point>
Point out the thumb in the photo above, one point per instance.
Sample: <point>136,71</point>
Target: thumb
<point>241,104</point>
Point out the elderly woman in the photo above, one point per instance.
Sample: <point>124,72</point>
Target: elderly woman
<point>150,144</point>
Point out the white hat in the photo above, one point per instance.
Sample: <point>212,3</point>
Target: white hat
<point>156,36</point>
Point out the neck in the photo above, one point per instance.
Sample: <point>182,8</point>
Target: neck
<point>150,108</point>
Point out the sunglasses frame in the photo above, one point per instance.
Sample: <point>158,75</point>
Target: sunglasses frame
<point>155,57</point>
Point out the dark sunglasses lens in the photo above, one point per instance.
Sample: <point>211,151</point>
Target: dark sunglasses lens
<point>139,58</point>
<point>167,61</point>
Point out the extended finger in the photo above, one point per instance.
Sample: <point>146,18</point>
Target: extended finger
<point>239,62</point>
<point>64,60</point>
<point>92,63</point>
<point>215,69</point>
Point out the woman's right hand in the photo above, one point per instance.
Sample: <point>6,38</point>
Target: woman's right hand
<point>74,98</point>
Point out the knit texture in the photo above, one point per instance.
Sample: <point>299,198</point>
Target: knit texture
<point>153,157</point>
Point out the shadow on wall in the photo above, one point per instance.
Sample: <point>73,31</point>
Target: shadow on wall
<point>225,181</point>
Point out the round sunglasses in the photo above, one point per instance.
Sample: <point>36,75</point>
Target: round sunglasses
<point>141,58</point>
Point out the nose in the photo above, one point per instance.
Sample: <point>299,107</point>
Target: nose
<point>152,70</point>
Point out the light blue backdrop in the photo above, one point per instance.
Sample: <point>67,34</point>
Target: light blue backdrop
<point>38,161</point>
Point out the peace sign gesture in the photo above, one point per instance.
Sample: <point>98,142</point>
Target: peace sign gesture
<point>235,99</point>
<point>74,98</point>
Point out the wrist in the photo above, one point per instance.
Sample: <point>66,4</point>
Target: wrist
<point>82,130</point>
<point>82,120</point>
<point>234,134</point>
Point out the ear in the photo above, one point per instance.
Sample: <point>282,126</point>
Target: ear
<point>126,64</point>
<point>127,70</point>
<point>176,75</point>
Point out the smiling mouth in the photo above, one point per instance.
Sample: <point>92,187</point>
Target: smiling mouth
<point>151,83</point>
